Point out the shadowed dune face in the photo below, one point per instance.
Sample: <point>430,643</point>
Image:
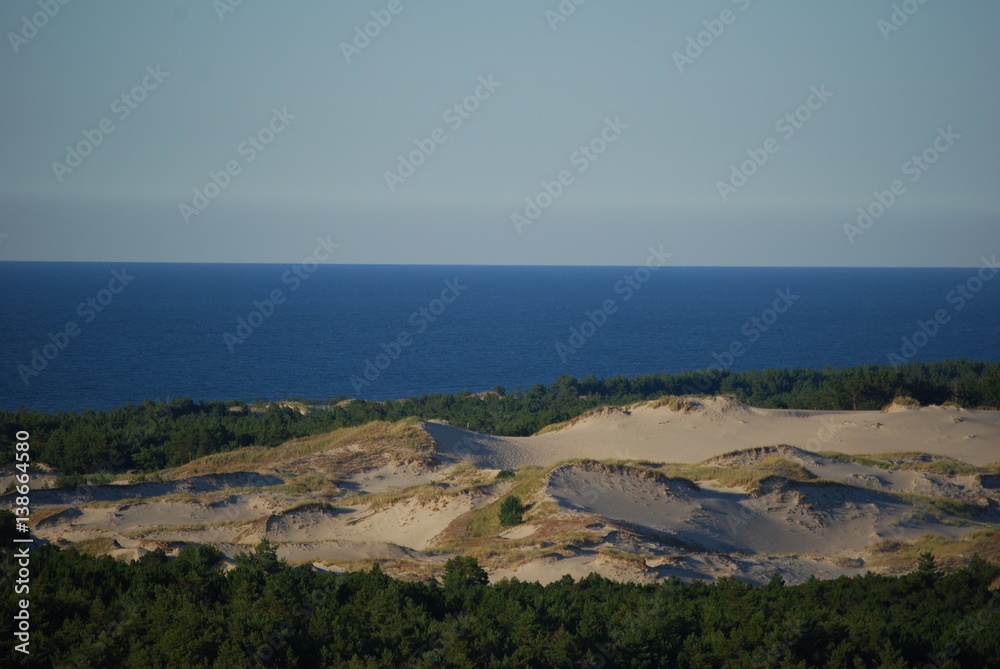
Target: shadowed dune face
<point>482,450</point>
<point>113,493</point>
<point>784,517</point>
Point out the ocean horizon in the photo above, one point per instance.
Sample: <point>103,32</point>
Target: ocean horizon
<point>97,335</point>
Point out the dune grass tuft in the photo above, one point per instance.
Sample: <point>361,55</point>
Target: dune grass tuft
<point>674,403</point>
<point>900,557</point>
<point>403,441</point>
<point>748,477</point>
<point>95,547</point>
<point>635,559</point>
<point>916,461</point>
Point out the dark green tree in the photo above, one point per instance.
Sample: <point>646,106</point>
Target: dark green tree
<point>8,527</point>
<point>264,558</point>
<point>511,511</point>
<point>461,571</point>
<point>927,567</point>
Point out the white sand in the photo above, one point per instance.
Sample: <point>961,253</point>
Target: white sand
<point>409,523</point>
<point>721,425</point>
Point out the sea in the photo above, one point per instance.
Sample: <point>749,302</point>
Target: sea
<point>77,336</point>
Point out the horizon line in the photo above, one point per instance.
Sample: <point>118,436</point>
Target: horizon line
<point>532,265</point>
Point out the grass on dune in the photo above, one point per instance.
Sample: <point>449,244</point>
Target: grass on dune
<point>748,477</point>
<point>564,540</point>
<point>557,427</point>
<point>142,532</point>
<point>311,505</point>
<point>95,547</point>
<point>673,402</point>
<point>463,478</point>
<point>914,460</point>
<point>306,483</point>
<point>950,554</point>
<point>939,507</point>
<point>44,514</point>
<point>404,441</point>
<point>479,527</point>
<point>377,501</point>
<point>634,559</point>
<point>485,521</point>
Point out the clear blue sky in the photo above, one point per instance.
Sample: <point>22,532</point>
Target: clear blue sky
<point>656,183</point>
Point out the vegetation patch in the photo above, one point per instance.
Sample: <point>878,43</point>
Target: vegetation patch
<point>565,538</point>
<point>311,505</point>
<point>95,547</point>
<point>306,483</point>
<point>845,562</point>
<point>77,480</point>
<point>345,451</point>
<point>748,477</point>
<point>42,515</point>
<point>899,557</point>
<point>914,461</point>
<point>904,401</point>
<point>485,521</point>
<point>634,559</point>
<point>674,403</point>
<point>142,532</point>
<point>428,492</point>
<point>586,415</point>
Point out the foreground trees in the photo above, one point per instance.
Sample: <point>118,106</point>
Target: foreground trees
<point>188,612</point>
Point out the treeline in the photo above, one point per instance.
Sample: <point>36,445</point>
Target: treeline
<point>188,612</point>
<point>154,435</point>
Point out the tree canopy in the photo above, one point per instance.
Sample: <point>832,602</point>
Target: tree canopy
<point>190,612</point>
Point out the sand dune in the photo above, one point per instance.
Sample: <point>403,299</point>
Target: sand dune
<point>720,425</point>
<point>796,513</point>
<point>784,517</point>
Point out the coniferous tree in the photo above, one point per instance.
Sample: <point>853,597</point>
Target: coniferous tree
<point>511,511</point>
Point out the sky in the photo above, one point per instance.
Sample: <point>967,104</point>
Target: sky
<point>727,132</point>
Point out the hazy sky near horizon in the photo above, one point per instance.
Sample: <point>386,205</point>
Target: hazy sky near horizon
<point>648,111</point>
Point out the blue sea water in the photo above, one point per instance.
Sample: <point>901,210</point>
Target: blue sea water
<point>174,330</point>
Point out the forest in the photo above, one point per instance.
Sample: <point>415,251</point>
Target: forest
<point>189,612</point>
<point>157,434</point>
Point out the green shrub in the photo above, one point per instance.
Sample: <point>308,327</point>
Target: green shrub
<point>77,480</point>
<point>70,480</point>
<point>511,510</point>
<point>505,474</point>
